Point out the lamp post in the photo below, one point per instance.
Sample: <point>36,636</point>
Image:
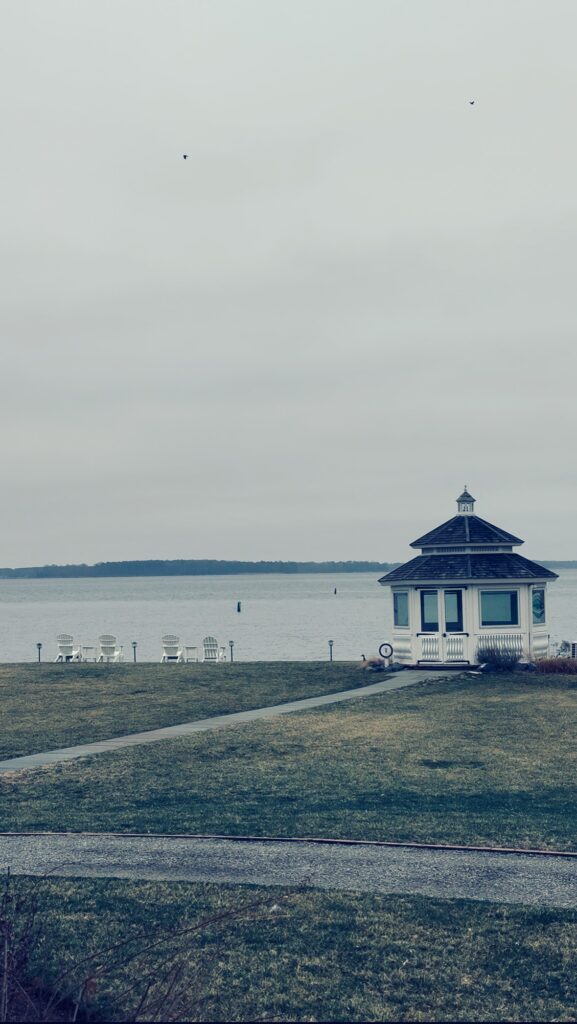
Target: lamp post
<point>39,649</point>
<point>331,642</point>
<point>134,651</point>
<point>231,645</point>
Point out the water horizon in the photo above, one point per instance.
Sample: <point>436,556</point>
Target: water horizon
<point>283,617</point>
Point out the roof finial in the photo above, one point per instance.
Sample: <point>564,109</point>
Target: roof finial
<point>465,503</point>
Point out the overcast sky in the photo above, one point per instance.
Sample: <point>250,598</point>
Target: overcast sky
<point>356,295</point>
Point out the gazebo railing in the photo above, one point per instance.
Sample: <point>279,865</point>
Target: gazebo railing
<point>465,648</point>
<point>436,647</point>
<point>430,647</point>
<point>460,647</point>
<point>455,647</point>
<point>513,642</point>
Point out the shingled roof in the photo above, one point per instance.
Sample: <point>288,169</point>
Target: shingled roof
<point>503,565</point>
<point>465,530</point>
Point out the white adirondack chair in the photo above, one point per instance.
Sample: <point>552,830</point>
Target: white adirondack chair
<point>211,652</point>
<point>172,651</point>
<point>108,649</point>
<point>66,649</point>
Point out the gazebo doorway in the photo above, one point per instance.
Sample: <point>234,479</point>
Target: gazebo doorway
<point>441,635</point>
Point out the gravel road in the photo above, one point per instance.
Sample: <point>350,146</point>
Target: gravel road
<point>494,877</point>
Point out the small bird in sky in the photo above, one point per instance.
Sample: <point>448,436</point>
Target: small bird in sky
<point>471,103</point>
<point>185,156</point>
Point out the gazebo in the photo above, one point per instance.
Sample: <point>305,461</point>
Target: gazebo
<point>466,591</point>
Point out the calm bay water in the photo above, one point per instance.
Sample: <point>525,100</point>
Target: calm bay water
<point>283,617</point>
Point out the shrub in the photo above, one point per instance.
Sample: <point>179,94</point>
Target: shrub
<point>562,666</point>
<point>498,659</point>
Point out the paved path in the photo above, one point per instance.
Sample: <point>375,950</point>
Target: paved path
<point>475,875</point>
<point>391,682</point>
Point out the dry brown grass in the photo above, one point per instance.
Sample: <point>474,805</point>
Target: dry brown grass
<point>488,762</point>
<point>49,706</point>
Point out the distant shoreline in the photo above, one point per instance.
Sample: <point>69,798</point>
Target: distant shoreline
<point>187,567</point>
<point>205,567</point>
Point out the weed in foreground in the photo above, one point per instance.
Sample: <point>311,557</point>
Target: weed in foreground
<point>154,977</point>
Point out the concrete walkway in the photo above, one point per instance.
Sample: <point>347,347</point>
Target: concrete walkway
<point>494,877</point>
<point>395,681</point>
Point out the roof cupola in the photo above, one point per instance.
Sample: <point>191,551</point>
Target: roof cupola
<point>465,503</point>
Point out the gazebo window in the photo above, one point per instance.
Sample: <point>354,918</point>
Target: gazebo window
<point>401,608</point>
<point>499,608</point>
<point>454,611</point>
<point>429,611</point>
<point>539,606</point>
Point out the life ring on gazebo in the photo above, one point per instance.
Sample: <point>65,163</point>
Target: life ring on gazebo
<point>386,651</point>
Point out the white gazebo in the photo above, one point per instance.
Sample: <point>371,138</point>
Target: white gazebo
<point>467,590</point>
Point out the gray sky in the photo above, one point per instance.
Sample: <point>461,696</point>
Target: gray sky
<point>354,296</point>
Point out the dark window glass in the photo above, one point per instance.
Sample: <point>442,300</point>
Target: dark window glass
<point>401,609</point>
<point>454,611</point>
<point>538,606</point>
<point>499,608</point>
<point>429,611</point>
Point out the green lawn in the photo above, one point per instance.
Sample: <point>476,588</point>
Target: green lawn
<point>48,706</point>
<point>310,956</point>
<point>478,760</point>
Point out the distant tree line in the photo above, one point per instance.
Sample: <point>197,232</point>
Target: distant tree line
<point>187,567</point>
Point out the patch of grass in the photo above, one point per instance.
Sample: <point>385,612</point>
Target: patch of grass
<point>490,761</point>
<point>320,956</point>
<point>49,706</point>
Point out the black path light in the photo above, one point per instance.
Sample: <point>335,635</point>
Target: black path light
<point>134,645</point>
<point>39,649</point>
<point>331,642</point>
<point>231,645</point>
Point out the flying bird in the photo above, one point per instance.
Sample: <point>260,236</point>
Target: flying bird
<point>471,103</point>
<point>185,156</point>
